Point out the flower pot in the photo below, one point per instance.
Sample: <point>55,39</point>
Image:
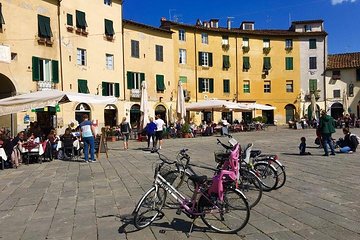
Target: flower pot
<point>111,138</point>
<point>186,135</point>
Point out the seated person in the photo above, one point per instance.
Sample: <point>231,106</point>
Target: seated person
<point>349,143</point>
<point>67,140</point>
<point>302,147</point>
<point>53,138</point>
<point>16,144</point>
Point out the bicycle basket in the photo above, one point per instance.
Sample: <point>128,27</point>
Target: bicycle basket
<point>221,156</point>
<point>168,173</point>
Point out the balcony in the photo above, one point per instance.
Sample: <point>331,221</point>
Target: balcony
<point>45,85</point>
<point>266,50</point>
<point>135,93</point>
<point>45,41</point>
<point>336,77</point>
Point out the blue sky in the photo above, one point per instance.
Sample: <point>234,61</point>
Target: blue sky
<point>341,17</point>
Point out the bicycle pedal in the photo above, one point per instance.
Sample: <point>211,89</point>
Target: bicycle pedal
<point>178,212</point>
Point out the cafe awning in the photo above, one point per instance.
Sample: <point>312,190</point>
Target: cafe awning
<point>216,105</point>
<point>40,99</point>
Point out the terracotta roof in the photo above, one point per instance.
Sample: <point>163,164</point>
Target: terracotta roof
<point>168,24</point>
<point>343,60</point>
<point>130,22</point>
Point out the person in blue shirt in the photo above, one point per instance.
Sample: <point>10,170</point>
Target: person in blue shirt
<point>302,147</point>
<point>87,131</point>
<point>150,131</point>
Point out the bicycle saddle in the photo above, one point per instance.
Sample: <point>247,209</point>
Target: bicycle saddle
<point>198,179</point>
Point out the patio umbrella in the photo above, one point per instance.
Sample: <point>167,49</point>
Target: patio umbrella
<point>40,99</point>
<point>258,106</point>
<point>180,102</point>
<point>171,115</point>
<point>217,105</point>
<point>144,105</point>
<point>345,103</point>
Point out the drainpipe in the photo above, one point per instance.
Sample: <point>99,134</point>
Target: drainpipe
<point>324,73</point>
<point>60,48</point>
<point>236,70</point>
<point>196,80</point>
<point>123,53</point>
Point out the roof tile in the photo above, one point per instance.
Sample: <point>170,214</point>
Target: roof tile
<point>344,60</point>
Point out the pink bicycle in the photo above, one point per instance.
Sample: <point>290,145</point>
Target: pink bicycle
<point>220,206</point>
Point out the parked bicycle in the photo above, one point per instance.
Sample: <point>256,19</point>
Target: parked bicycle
<point>221,207</point>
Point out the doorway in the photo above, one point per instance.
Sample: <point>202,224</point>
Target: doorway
<point>161,110</point>
<point>337,110</point>
<point>110,115</point>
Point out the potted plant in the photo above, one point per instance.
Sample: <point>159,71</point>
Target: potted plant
<point>186,130</point>
<point>110,134</point>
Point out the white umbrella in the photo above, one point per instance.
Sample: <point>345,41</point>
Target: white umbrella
<point>171,115</point>
<point>144,105</point>
<point>40,99</point>
<point>180,102</point>
<point>258,106</point>
<point>313,106</point>
<point>345,103</point>
<point>216,105</point>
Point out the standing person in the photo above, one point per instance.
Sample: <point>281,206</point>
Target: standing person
<point>327,128</point>
<point>87,131</point>
<point>125,130</point>
<point>150,131</point>
<point>159,130</point>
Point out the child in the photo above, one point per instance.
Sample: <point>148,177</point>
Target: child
<point>302,147</point>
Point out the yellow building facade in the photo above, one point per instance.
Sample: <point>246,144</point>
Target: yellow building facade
<point>149,57</point>
<point>30,55</point>
<point>229,64</point>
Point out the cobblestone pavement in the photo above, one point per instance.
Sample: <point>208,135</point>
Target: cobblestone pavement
<point>76,200</point>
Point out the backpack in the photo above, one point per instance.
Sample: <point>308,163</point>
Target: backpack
<point>356,138</point>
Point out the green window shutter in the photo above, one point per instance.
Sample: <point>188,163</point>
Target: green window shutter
<point>109,28</point>
<point>312,43</point>
<point>267,63</point>
<point>35,69</point>
<point>211,85</point>
<point>358,74</point>
<point>69,19</point>
<point>289,63</point>
<point>142,77</point>
<point>44,29</point>
<point>82,86</point>
<point>55,71</point>
<point>105,89</point>
<point>2,20</point>
<point>210,59</point>
<point>160,86</point>
<point>226,85</point>
<point>200,59</point>
<point>117,90</point>
<point>312,85</point>
<point>201,85</point>
<point>226,61</point>
<point>80,20</point>
<point>246,62</point>
<point>130,80</point>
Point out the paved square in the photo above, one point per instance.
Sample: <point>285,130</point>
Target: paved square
<point>75,200</point>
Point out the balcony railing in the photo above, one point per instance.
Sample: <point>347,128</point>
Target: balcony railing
<point>44,85</point>
<point>135,93</point>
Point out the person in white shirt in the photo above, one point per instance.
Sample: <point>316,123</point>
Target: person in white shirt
<point>159,130</point>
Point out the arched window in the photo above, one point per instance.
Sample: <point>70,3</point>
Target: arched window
<point>290,112</point>
<point>80,110</point>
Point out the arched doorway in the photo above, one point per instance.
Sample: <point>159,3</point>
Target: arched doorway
<point>290,112</point>
<point>161,110</point>
<point>80,110</point>
<point>269,114</point>
<point>110,115</point>
<point>7,90</point>
<point>135,115</point>
<point>337,110</point>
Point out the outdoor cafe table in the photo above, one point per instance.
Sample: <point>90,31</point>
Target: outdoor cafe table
<point>34,150</point>
<point>3,157</point>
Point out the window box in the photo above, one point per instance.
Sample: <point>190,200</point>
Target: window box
<point>49,42</point>
<point>288,49</point>
<point>70,28</point>
<point>246,49</point>
<point>41,40</point>
<point>109,37</point>
<point>266,50</point>
<point>81,31</point>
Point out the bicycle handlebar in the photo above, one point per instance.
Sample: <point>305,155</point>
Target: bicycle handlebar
<point>163,158</point>
<point>224,145</point>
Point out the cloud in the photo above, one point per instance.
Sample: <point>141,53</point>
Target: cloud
<point>334,2</point>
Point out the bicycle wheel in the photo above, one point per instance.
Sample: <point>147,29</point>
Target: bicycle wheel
<point>228,216</point>
<point>182,183</point>
<point>280,172</point>
<point>250,185</point>
<point>149,207</point>
<point>267,174</point>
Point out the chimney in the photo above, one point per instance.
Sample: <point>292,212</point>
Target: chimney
<point>229,23</point>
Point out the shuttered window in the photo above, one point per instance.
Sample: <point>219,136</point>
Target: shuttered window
<point>80,20</point>
<point>44,29</point>
<point>312,85</point>
<point>110,89</point>
<point>109,28</point>
<point>289,63</point>
<point>267,63</point>
<point>205,59</point>
<point>226,85</point>
<point>69,19</point>
<point>134,80</point>
<point>35,69</point>
<point>82,86</point>
<point>55,71</point>
<point>206,85</point>
<point>159,53</point>
<point>312,43</point>
<point>2,20</point>
<point>135,51</point>
<point>226,61</point>
<point>160,86</point>
<point>246,63</point>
